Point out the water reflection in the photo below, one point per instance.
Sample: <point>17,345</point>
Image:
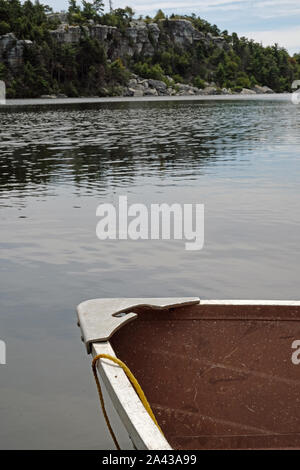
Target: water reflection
<point>108,143</point>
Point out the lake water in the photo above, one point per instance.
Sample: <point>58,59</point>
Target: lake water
<point>240,158</point>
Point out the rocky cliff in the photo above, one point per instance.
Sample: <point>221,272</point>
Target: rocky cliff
<point>139,38</point>
<point>12,50</point>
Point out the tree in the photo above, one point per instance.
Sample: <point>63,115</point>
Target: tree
<point>98,6</point>
<point>220,75</point>
<point>159,16</point>
<point>4,28</point>
<point>73,7</point>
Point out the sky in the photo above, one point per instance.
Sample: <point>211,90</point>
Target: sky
<point>266,21</point>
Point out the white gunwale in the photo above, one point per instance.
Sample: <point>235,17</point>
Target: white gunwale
<point>288,303</point>
<point>142,431</point>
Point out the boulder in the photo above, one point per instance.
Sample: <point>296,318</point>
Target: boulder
<point>268,90</point>
<point>183,86</point>
<point>226,91</point>
<point>170,91</point>
<point>150,92</point>
<point>262,90</point>
<point>209,90</point>
<point>143,83</point>
<point>138,87</point>
<point>128,92</point>
<point>138,93</point>
<point>48,97</point>
<point>258,89</point>
<point>132,82</point>
<point>158,84</point>
<point>246,91</point>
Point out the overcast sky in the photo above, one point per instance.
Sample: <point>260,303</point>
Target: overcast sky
<point>266,21</point>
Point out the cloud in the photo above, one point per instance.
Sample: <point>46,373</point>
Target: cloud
<point>198,6</point>
<point>258,8</point>
<point>288,38</point>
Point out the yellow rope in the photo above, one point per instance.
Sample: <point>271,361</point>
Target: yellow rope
<point>94,364</point>
<point>135,384</point>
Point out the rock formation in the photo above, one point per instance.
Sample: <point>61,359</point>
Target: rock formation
<point>12,49</point>
<point>139,38</point>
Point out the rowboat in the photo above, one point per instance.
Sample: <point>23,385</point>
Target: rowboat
<point>217,374</point>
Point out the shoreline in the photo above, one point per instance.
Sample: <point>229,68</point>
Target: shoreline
<point>122,99</point>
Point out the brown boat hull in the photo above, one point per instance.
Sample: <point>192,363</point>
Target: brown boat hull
<point>218,376</point>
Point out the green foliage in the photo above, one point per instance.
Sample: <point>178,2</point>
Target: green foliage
<point>27,21</point>
<point>120,18</point>
<point>90,11</point>
<point>4,28</point>
<point>73,69</point>
<point>118,72</point>
<point>199,82</point>
<point>178,78</point>
<point>159,16</point>
<point>149,71</point>
<point>220,74</point>
<point>2,71</point>
<point>243,81</point>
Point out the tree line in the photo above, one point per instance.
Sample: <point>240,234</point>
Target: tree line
<point>85,68</point>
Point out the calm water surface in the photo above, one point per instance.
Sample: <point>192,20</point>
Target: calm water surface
<point>57,163</point>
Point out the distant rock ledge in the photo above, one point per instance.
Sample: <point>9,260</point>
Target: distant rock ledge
<point>12,49</point>
<point>140,38</point>
<point>139,87</point>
